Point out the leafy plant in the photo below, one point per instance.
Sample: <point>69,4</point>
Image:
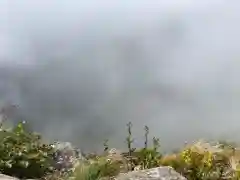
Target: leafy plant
<point>87,172</point>
<point>97,169</point>
<point>146,157</point>
<point>149,157</point>
<point>23,155</point>
<point>130,140</point>
<point>199,164</point>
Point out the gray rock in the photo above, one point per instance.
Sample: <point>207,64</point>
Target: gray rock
<point>66,156</point>
<point>5,177</point>
<point>159,173</point>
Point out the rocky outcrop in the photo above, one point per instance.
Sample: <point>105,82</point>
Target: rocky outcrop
<point>159,173</point>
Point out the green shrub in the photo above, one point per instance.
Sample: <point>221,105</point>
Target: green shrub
<point>109,168</point>
<point>23,155</point>
<point>145,158</point>
<point>198,164</point>
<point>148,158</point>
<point>87,172</point>
<point>99,168</point>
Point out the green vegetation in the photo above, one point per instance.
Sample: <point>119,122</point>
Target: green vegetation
<point>24,155</point>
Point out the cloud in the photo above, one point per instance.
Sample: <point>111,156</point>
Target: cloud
<point>79,71</point>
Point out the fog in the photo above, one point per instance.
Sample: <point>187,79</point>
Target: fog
<point>79,71</point>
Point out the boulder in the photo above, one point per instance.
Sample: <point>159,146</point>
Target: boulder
<point>66,156</point>
<point>159,173</point>
<point>5,177</point>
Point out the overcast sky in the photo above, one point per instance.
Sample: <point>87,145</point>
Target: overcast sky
<point>80,70</point>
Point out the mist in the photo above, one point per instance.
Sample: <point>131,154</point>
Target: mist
<point>79,71</point>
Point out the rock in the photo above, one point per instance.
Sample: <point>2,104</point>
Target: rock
<point>159,173</point>
<point>66,156</point>
<point>5,177</point>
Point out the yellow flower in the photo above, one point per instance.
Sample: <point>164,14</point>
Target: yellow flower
<point>186,155</point>
<point>208,159</point>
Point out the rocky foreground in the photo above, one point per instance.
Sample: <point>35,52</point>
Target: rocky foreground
<point>159,173</point>
<point>24,156</point>
<point>67,158</point>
